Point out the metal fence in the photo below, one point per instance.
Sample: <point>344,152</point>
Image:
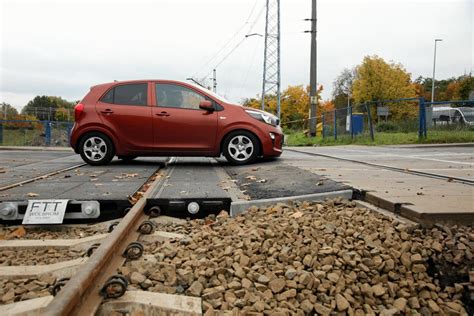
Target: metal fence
<point>34,133</point>
<point>350,122</point>
<point>402,116</point>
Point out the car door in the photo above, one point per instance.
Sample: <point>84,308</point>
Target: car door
<point>125,110</point>
<point>179,125</point>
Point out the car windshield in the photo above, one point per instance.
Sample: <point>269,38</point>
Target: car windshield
<point>468,113</point>
<point>213,94</point>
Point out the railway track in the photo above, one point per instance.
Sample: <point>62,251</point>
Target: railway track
<point>391,168</point>
<point>70,261</point>
<point>141,262</point>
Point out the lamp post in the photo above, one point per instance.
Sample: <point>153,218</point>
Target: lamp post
<point>434,68</point>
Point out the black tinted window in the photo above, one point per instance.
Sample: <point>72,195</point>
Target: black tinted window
<point>175,96</point>
<point>129,94</point>
<point>109,97</point>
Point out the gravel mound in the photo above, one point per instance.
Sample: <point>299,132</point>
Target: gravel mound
<point>307,258</point>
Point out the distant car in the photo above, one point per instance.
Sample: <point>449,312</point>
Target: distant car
<point>169,118</point>
<point>443,115</point>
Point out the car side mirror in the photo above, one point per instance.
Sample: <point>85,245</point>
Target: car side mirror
<point>206,105</point>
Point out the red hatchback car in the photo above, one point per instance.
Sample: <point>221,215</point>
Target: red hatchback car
<point>169,118</point>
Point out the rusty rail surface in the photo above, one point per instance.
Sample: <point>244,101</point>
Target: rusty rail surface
<point>81,294</point>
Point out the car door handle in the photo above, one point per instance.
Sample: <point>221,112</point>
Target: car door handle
<point>163,114</point>
<point>107,111</point>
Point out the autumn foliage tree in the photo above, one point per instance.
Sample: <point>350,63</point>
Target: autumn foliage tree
<point>294,105</point>
<point>378,80</point>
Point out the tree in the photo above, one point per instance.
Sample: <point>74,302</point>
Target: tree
<point>327,105</point>
<point>7,111</point>
<point>378,80</point>
<point>63,115</point>
<point>294,105</point>
<point>342,87</point>
<point>466,85</point>
<point>44,107</point>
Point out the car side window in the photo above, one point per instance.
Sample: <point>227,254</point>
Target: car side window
<point>175,96</point>
<point>127,94</point>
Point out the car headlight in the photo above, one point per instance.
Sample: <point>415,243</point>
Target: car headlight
<point>264,117</point>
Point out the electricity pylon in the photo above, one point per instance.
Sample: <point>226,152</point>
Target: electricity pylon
<point>271,57</point>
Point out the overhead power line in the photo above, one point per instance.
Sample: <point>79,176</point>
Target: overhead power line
<point>231,39</point>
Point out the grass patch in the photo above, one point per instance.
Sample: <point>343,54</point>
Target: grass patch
<point>381,138</point>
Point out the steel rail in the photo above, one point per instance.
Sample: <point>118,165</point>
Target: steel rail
<point>14,185</point>
<point>409,171</point>
<point>81,294</point>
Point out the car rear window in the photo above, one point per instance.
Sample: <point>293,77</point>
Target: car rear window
<point>127,94</point>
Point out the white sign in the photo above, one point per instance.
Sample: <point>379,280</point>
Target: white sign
<point>313,99</point>
<point>45,212</point>
<point>348,123</point>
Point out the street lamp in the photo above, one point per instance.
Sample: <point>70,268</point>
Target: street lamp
<point>434,68</point>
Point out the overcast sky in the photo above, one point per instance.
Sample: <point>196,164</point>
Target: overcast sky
<point>63,47</point>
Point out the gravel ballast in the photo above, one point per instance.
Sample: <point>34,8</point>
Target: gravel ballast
<point>308,258</point>
<point>50,232</point>
<point>24,289</point>
<point>32,257</point>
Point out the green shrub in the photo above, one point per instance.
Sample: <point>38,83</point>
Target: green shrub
<point>388,127</point>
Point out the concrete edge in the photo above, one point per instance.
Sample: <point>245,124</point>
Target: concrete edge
<point>387,213</point>
<point>81,243</point>
<point>240,207</point>
<point>437,218</point>
<point>408,212</point>
<point>37,148</point>
<point>62,269</point>
<point>153,303</point>
<point>439,145</point>
<point>27,307</point>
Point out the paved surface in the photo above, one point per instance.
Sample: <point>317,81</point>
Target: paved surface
<point>20,165</point>
<point>275,179</point>
<point>190,178</point>
<point>420,197</point>
<point>112,182</point>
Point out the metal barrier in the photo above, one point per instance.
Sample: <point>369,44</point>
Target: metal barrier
<point>349,122</point>
<point>402,116</point>
<point>34,133</point>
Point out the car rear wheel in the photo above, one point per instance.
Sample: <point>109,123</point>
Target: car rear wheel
<point>241,147</point>
<point>96,149</point>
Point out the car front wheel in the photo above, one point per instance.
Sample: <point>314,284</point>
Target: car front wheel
<point>241,147</point>
<point>96,149</point>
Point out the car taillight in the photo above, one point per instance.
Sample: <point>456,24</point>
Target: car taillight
<point>78,110</point>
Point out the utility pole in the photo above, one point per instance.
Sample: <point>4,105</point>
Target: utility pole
<point>434,68</point>
<point>214,81</point>
<point>313,87</point>
<point>271,54</point>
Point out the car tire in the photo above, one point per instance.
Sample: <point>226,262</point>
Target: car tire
<point>127,158</point>
<point>241,147</point>
<point>96,149</point>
